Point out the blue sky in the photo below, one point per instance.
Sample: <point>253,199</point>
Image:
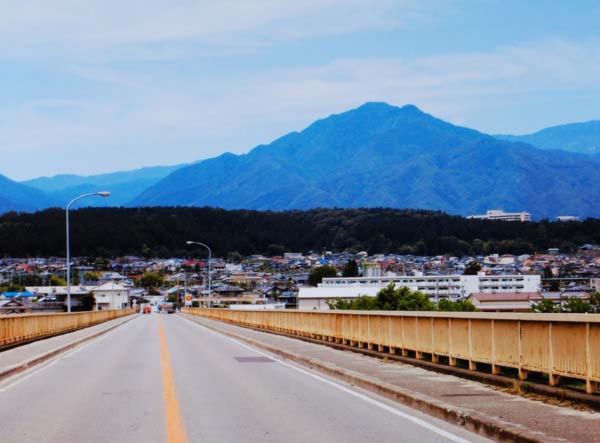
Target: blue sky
<point>104,85</point>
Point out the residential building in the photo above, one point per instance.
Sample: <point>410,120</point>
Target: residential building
<point>111,296</point>
<point>505,301</point>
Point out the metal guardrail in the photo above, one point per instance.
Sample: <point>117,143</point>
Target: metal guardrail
<point>554,344</point>
<point>15,329</point>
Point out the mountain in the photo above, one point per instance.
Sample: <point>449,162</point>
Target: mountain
<point>18,197</point>
<point>583,138</point>
<point>123,186</point>
<point>383,156</point>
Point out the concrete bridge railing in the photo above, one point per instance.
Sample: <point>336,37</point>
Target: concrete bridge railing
<point>554,344</point>
<point>15,329</point>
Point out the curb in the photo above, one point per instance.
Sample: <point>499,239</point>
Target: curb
<point>437,409</point>
<point>20,367</point>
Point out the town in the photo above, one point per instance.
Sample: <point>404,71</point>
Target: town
<point>492,283</point>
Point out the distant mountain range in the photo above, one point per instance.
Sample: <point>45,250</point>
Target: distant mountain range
<point>124,186</point>
<point>583,138</point>
<point>19,197</point>
<point>380,155</point>
<point>374,156</point>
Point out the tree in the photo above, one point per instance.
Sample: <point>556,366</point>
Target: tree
<point>360,303</point>
<point>546,306</point>
<point>151,280</point>
<point>87,302</point>
<point>415,301</point>
<point>350,269</point>
<point>387,298</point>
<point>12,288</point>
<point>391,298</point>
<point>576,305</point>
<point>472,268</point>
<point>235,257</point>
<point>365,303</point>
<point>317,275</point>
<point>594,302</point>
<point>274,249</point>
<point>456,306</point>
<point>55,280</point>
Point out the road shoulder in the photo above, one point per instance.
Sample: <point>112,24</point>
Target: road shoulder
<point>19,359</point>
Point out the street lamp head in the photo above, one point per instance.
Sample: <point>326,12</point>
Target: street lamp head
<point>189,242</point>
<point>103,193</point>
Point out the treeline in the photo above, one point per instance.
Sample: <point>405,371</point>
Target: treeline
<point>162,232</point>
<point>391,298</point>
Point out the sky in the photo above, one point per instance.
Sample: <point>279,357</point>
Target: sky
<point>99,86</point>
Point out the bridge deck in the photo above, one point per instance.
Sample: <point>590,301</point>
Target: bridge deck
<point>162,378</point>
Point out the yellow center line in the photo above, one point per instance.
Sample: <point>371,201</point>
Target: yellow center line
<point>175,428</point>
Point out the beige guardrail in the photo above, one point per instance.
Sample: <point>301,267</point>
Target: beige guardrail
<point>554,344</point>
<point>21,328</point>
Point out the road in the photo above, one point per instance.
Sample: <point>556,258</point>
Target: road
<point>163,378</point>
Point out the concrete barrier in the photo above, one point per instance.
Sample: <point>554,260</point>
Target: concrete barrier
<point>15,329</point>
<point>554,344</point>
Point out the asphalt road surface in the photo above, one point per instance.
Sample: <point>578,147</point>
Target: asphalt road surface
<point>162,378</point>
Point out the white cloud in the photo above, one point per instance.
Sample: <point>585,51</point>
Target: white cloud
<point>159,28</point>
<point>177,117</point>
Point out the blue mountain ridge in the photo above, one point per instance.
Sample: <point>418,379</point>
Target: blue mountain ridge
<point>583,138</point>
<point>124,185</point>
<point>19,197</point>
<point>381,155</point>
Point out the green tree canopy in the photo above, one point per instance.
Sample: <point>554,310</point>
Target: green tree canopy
<point>576,305</point>
<point>472,268</point>
<point>389,298</point>
<point>151,280</point>
<point>546,306</point>
<point>594,302</point>
<point>456,306</point>
<point>350,269</point>
<point>317,275</point>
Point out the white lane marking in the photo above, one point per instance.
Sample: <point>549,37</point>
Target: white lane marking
<point>6,385</point>
<point>28,375</point>
<point>416,420</point>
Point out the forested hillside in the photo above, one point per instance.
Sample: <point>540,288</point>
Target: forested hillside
<point>163,232</point>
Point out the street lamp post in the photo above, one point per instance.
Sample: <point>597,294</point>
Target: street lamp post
<point>209,268</point>
<point>101,194</point>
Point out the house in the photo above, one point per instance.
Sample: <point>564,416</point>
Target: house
<point>15,306</point>
<point>111,296</point>
<point>505,301</point>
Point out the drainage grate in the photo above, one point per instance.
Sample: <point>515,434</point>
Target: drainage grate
<point>254,359</point>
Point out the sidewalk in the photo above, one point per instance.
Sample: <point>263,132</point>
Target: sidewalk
<point>476,406</point>
<point>23,357</point>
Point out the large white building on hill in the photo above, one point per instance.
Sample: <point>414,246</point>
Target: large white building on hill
<point>453,287</point>
<point>499,214</point>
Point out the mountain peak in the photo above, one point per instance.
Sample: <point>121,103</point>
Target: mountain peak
<point>383,106</point>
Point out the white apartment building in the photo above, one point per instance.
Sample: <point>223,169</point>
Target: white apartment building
<point>499,214</point>
<point>453,287</point>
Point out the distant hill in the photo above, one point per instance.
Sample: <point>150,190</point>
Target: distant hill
<point>384,156</point>
<point>123,186</point>
<point>19,197</point>
<point>163,232</point>
<point>583,138</point>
